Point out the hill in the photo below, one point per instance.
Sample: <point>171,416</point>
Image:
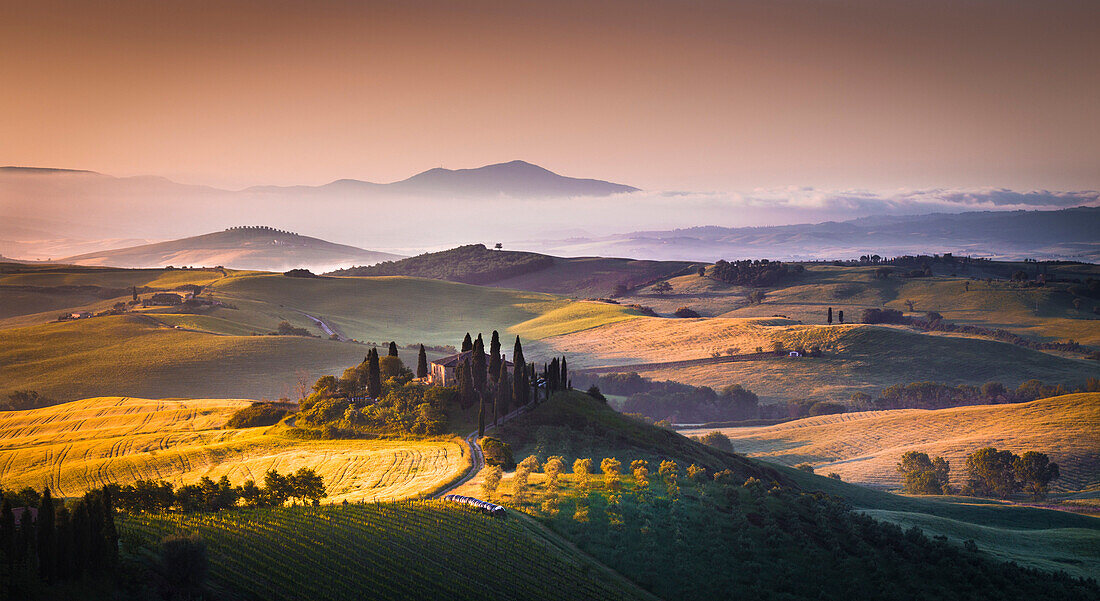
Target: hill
<point>855,357</point>
<point>576,277</point>
<point>85,444</point>
<point>1058,234</point>
<point>217,349</point>
<point>864,447</point>
<point>256,248</point>
<point>405,550</point>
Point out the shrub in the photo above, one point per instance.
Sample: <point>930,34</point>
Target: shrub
<point>685,312</point>
<point>497,452</point>
<point>256,415</point>
<point>717,440</point>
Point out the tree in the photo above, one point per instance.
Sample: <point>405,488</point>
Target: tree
<point>391,366</point>
<point>924,476</point>
<point>702,271</point>
<point>909,304</point>
<point>393,349</point>
<point>479,365</point>
<point>481,414</point>
<point>991,473</point>
<point>840,316</point>
<point>520,389</point>
<point>829,318</point>
<point>498,246</point>
<point>467,343</point>
<point>277,488</point>
<point>466,384</point>
<point>504,393</point>
<point>1035,471</point>
<point>494,357</point>
<point>374,375</point>
<point>47,544</point>
<point>717,440</point>
<point>183,564</point>
<point>662,288</point>
<point>563,380</point>
<point>306,486</point>
<point>422,363</point>
<point>756,297</point>
<point>491,480</point>
<point>553,468</point>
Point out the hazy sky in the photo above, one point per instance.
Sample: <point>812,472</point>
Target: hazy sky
<point>662,95</point>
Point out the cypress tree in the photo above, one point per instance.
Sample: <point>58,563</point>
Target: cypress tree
<point>564,379</point>
<point>47,548</point>
<point>481,416</point>
<point>467,343</point>
<point>552,375</point>
<point>494,357</point>
<point>840,316</point>
<point>110,531</point>
<point>504,392</point>
<point>7,539</point>
<point>467,384</point>
<point>393,349</point>
<point>374,375</point>
<point>519,375</point>
<point>422,363</point>
<point>83,547</point>
<point>479,365</point>
<point>63,555</point>
<point>829,319</point>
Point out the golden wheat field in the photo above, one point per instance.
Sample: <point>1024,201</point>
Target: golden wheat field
<point>76,446</point>
<point>864,447</point>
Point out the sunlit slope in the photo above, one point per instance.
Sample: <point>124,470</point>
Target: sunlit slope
<point>130,355</point>
<point>856,357</point>
<point>865,447</point>
<point>1046,313</point>
<point>408,550</point>
<point>412,309</point>
<point>85,444</point>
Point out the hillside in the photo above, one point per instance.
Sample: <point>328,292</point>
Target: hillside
<point>81,445</point>
<point>409,550</point>
<point>865,447</point>
<point>855,357</point>
<point>575,277</point>
<point>1056,234</point>
<point>213,350</point>
<point>257,248</point>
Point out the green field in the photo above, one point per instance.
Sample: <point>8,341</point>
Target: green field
<point>1041,538</point>
<point>407,550</point>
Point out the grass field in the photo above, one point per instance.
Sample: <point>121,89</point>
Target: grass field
<point>81,445</point>
<point>1045,313</point>
<point>131,356</point>
<point>406,550</point>
<point>865,447</point>
<point>857,357</point>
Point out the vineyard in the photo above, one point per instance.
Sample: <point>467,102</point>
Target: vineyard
<point>81,445</point>
<point>864,447</point>
<point>402,550</point>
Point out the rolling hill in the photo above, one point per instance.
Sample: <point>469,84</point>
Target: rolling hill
<point>864,447</point>
<point>85,444</point>
<point>575,277</point>
<point>256,248</point>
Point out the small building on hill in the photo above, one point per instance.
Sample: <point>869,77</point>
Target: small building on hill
<point>441,372</point>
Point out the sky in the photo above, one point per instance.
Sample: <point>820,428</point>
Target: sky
<point>696,96</point>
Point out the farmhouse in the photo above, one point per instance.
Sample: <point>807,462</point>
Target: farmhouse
<point>441,372</point>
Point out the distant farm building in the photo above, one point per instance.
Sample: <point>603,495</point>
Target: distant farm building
<point>441,372</point>
<point>80,315</point>
<point>796,354</point>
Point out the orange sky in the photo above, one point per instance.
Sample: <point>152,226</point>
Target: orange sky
<point>661,95</point>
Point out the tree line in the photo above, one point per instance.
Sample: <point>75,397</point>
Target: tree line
<point>757,273</point>
<point>677,402</point>
<point>304,486</point>
<point>990,473</point>
<point>53,541</point>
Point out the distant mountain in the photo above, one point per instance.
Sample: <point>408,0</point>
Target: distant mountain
<point>516,179</point>
<point>258,247</point>
<point>1070,234</point>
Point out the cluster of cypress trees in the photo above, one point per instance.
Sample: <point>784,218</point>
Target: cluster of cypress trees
<point>62,544</point>
<point>373,374</point>
<point>556,374</point>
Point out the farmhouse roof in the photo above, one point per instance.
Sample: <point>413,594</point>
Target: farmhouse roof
<point>456,360</point>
